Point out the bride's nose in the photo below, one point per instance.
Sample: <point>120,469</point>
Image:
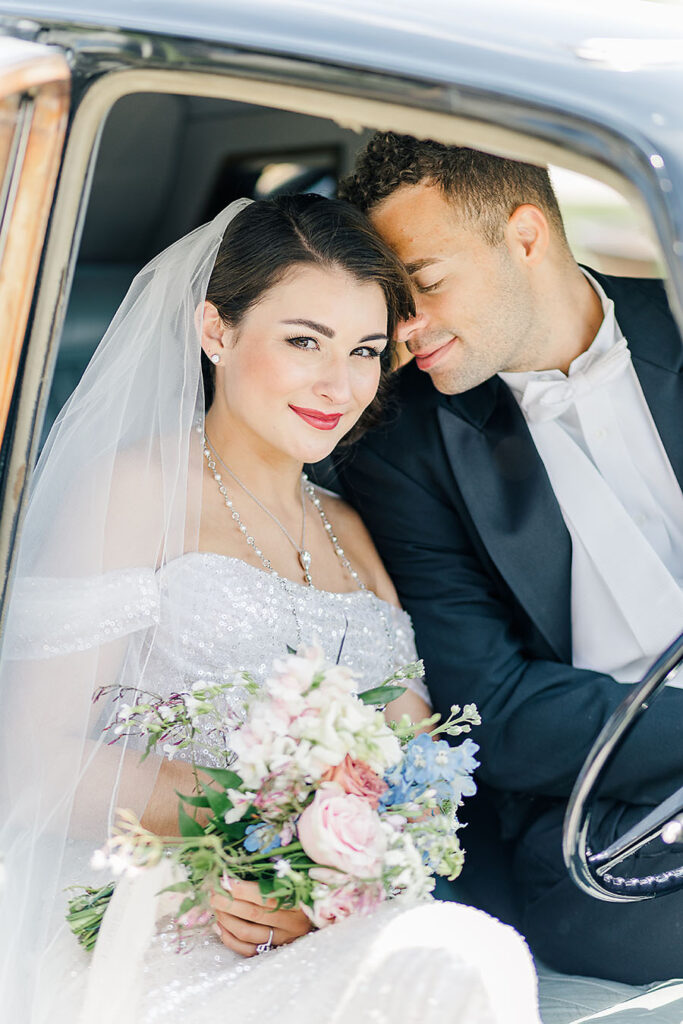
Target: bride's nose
<point>334,382</point>
<point>407,329</point>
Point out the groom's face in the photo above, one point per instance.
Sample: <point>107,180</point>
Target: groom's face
<point>473,301</point>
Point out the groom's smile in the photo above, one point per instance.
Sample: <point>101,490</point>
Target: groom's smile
<point>429,357</point>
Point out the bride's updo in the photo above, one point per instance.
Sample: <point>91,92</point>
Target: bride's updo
<point>270,236</point>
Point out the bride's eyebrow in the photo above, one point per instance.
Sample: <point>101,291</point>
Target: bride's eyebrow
<point>320,328</point>
<point>328,332</point>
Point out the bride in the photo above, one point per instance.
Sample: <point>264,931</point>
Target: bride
<point>172,537</point>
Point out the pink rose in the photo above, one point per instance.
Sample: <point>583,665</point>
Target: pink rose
<point>357,778</point>
<point>341,830</point>
<point>338,896</point>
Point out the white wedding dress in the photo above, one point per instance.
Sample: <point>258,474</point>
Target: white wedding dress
<point>211,615</point>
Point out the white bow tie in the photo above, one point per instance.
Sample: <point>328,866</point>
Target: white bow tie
<point>547,399</point>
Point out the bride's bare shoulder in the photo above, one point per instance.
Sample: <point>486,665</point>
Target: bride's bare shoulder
<point>358,545</point>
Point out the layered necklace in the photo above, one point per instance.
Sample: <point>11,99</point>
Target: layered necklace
<point>212,457</point>
<point>213,461</point>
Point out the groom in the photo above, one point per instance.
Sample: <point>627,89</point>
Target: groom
<point>526,498</point>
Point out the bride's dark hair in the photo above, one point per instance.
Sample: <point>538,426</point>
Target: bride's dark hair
<point>271,236</point>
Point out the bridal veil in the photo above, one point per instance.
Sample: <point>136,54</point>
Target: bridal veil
<point>116,494</point>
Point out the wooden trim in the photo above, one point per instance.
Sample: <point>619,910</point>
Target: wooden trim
<point>30,199</point>
<point>27,66</point>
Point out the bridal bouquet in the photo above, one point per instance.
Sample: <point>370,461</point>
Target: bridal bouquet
<point>322,802</point>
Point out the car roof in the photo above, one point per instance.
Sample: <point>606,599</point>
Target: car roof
<point>379,32</point>
<point>615,62</point>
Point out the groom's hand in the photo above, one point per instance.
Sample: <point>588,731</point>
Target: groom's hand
<point>245,919</point>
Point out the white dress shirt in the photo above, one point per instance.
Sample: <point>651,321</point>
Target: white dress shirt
<point>620,501</point>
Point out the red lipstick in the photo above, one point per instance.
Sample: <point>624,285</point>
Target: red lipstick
<point>320,420</point>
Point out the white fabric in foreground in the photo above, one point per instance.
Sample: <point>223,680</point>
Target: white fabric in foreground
<point>436,963</point>
<point>124,937</point>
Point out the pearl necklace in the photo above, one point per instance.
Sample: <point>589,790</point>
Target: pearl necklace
<point>304,555</point>
<point>309,490</point>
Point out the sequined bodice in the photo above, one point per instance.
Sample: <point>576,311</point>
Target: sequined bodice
<point>218,615</point>
<point>208,617</point>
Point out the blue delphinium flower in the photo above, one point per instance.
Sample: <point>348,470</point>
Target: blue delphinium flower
<point>432,764</point>
<point>261,838</point>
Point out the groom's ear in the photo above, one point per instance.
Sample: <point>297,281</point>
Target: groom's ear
<point>528,234</point>
<point>213,330</point>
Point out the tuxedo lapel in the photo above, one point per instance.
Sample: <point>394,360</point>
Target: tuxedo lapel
<point>655,343</point>
<point>663,392</point>
<point>507,493</point>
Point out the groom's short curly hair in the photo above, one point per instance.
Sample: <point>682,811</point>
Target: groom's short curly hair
<point>486,189</point>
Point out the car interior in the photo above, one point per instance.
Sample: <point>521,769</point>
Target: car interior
<point>167,163</point>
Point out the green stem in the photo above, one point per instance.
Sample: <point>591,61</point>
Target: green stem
<point>279,850</point>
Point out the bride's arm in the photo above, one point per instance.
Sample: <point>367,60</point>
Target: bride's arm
<point>161,812</point>
<point>409,703</point>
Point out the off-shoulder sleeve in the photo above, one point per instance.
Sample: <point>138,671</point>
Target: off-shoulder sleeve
<point>50,616</point>
<point>406,650</point>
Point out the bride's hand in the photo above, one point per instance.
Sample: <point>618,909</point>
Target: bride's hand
<point>245,919</point>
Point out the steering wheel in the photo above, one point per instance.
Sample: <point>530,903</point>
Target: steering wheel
<point>592,871</point>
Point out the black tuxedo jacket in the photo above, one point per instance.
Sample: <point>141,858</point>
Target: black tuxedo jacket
<point>460,507</point>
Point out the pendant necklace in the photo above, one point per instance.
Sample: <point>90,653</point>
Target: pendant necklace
<point>304,555</point>
<point>307,489</point>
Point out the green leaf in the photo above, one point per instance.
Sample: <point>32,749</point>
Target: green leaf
<point>266,885</point>
<point>178,887</point>
<point>217,800</point>
<point>224,777</point>
<point>188,826</point>
<point>274,888</point>
<point>381,694</point>
<point>236,830</point>
<point>193,801</point>
<point>291,650</point>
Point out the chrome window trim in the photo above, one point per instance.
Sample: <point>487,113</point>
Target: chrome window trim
<point>352,98</point>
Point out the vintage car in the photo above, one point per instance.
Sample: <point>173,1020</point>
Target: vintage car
<point>124,124</point>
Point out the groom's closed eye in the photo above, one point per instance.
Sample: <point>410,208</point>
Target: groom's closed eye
<point>424,289</point>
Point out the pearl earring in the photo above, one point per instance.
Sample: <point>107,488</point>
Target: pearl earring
<point>215,358</point>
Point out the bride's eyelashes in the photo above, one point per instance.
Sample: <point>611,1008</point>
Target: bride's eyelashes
<point>310,344</point>
<point>368,352</point>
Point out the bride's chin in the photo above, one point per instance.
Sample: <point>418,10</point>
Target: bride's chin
<point>315,453</point>
<point>312,450</point>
